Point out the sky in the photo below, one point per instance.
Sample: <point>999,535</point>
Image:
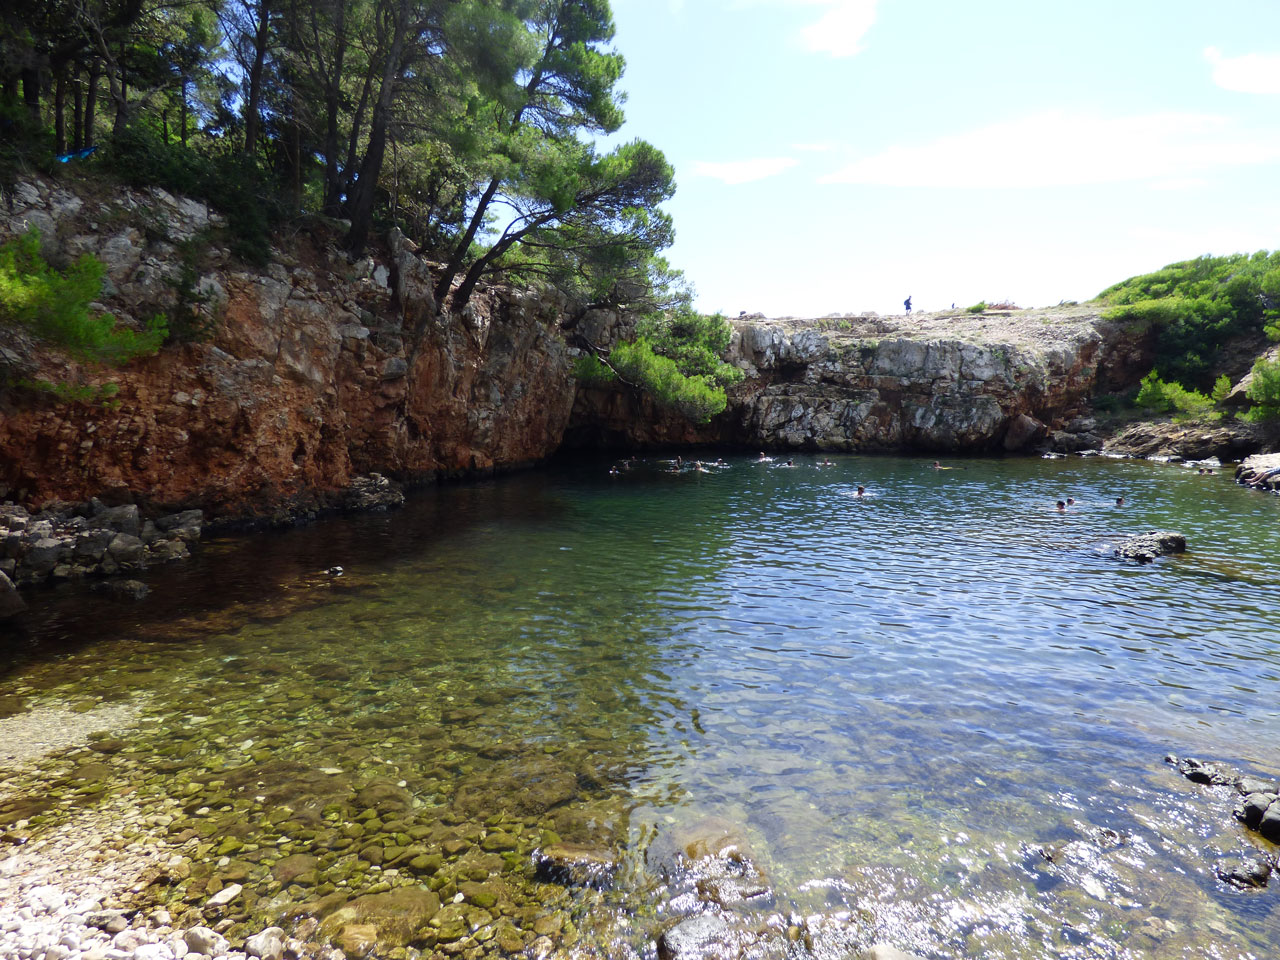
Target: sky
<point>836,156</point>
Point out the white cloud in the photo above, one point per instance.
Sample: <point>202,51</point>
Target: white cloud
<point>1179,184</point>
<point>1060,149</point>
<point>1251,73</point>
<point>734,172</point>
<point>841,29</point>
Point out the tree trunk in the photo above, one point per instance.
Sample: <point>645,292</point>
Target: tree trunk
<point>332,94</point>
<point>252,107</point>
<point>60,112</point>
<point>367,185</point>
<point>77,110</point>
<point>183,132</point>
<point>357,123</point>
<point>464,245</point>
<point>119,89</point>
<point>91,104</point>
<point>31,94</point>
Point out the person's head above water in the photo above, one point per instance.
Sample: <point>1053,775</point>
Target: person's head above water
<point>1119,501</point>
<point>1061,506</point>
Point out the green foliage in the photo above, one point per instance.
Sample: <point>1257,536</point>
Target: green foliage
<point>55,305</point>
<point>1264,390</point>
<point>695,397</point>
<point>1160,397</point>
<point>231,183</point>
<point>84,393</point>
<point>695,341</point>
<point>978,307</point>
<point>591,371</point>
<point>1198,305</point>
<point>1221,387</point>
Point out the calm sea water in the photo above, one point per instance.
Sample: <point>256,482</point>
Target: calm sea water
<point>900,701</point>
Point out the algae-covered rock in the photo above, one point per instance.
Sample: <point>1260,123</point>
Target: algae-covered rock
<point>295,868</point>
<point>400,917</point>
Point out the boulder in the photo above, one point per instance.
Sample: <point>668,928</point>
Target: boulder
<point>204,941</point>
<point>1254,809</point>
<point>1146,547</point>
<point>374,492</point>
<point>707,936</point>
<point>1245,874</point>
<point>126,550</point>
<point>124,589</point>
<point>399,917</point>
<point>1023,431</point>
<point>11,602</point>
<point>1269,826</point>
<point>267,945</point>
<point>121,519</point>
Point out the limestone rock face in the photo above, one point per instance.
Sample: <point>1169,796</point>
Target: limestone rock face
<point>870,384</point>
<point>319,371</point>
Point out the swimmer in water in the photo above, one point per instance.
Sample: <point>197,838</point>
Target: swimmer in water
<point>1062,507</point>
<point>861,490</point>
<point>790,463</point>
<point>1071,501</point>
<point>1119,501</point>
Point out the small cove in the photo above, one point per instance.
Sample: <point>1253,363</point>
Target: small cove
<point>898,702</point>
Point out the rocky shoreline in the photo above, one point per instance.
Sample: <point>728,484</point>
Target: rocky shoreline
<point>93,541</point>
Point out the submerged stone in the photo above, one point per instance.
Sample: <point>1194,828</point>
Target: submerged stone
<point>569,864</point>
<point>400,917</point>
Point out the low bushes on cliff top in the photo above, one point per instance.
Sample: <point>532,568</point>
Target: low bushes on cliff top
<point>55,305</point>
<point>1196,306</point>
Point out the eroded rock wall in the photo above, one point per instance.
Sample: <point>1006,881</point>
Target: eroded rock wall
<point>319,370</point>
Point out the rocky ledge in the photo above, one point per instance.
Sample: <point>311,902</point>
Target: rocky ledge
<point>1259,811</point>
<point>1225,440</point>
<point>1261,472</point>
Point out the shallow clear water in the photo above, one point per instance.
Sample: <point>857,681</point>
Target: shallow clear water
<point>900,703</point>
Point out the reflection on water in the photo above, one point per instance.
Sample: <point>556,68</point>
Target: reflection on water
<point>935,714</point>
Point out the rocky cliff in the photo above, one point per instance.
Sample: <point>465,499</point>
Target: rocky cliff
<point>937,382</point>
<point>319,369</point>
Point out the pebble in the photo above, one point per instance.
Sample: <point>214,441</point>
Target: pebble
<point>52,892</point>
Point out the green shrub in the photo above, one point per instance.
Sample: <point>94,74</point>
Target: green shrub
<point>1221,387</point>
<point>592,371</point>
<point>978,307</point>
<point>1198,305</point>
<point>1160,397</point>
<point>85,393</point>
<point>1264,390</point>
<point>695,341</point>
<point>696,397</point>
<point>55,305</point>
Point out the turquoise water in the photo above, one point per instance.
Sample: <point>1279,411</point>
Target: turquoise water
<point>904,704</point>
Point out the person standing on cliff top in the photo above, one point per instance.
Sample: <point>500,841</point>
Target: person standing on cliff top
<point>907,303</point>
